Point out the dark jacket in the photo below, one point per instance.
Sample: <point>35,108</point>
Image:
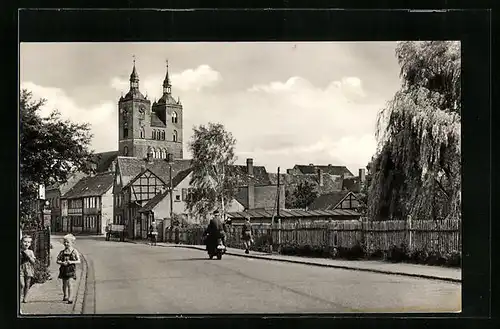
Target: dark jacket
<point>215,227</point>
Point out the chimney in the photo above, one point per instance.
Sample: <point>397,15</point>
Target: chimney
<point>251,186</point>
<point>149,156</point>
<point>320,177</point>
<point>362,178</point>
<point>250,167</point>
<point>93,167</point>
<point>170,157</point>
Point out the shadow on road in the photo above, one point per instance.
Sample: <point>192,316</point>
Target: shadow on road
<point>187,259</point>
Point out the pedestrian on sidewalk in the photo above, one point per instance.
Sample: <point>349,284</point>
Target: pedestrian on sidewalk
<point>26,268</point>
<point>68,258</point>
<point>246,234</point>
<point>153,233</point>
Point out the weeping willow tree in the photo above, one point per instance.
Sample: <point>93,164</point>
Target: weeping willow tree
<point>417,171</point>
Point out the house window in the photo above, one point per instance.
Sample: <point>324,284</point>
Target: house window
<point>177,198</point>
<point>174,136</point>
<point>174,117</point>
<point>184,194</point>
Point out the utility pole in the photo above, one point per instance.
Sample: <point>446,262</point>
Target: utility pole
<point>278,213</point>
<point>171,193</point>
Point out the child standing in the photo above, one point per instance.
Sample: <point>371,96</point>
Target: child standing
<point>27,271</point>
<point>68,258</point>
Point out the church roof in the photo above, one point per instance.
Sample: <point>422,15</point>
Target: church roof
<point>103,160</point>
<point>130,167</point>
<point>167,99</point>
<point>156,121</point>
<point>134,94</point>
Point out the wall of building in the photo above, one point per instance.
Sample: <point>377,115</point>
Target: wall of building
<point>106,210</point>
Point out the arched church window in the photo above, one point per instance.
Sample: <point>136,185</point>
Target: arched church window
<point>158,135</point>
<point>163,153</point>
<point>125,150</point>
<point>143,133</point>
<point>174,136</point>
<point>152,134</point>
<point>153,150</point>
<point>174,117</point>
<point>163,135</point>
<point>125,132</point>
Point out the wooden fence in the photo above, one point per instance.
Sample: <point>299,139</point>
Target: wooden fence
<point>442,236</point>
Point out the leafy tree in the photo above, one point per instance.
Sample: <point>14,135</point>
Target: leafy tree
<point>51,149</point>
<point>213,184</point>
<point>416,171</point>
<point>304,195</point>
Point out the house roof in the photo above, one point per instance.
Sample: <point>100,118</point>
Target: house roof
<point>264,196</point>
<point>103,160</point>
<point>329,169</point>
<point>130,167</point>
<point>353,183</point>
<point>91,186</point>
<point>160,196</point>
<point>284,213</point>
<point>331,183</point>
<point>260,175</point>
<point>154,201</point>
<point>329,201</point>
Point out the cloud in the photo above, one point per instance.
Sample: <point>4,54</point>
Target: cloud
<point>190,80</point>
<point>283,123</point>
<point>196,79</point>
<point>102,117</point>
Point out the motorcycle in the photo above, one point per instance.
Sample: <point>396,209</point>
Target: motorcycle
<point>216,249</point>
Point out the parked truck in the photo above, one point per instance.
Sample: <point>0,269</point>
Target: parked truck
<point>116,231</point>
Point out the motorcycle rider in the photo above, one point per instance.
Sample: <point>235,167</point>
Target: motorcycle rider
<point>215,230</point>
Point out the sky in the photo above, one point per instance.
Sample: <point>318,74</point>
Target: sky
<point>285,103</point>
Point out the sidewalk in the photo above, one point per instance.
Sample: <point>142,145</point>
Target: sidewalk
<point>414,270</point>
<point>46,298</point>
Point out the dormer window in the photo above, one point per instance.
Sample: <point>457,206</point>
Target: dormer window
<point>174,117</point>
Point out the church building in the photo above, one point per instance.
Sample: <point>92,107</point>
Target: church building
<point>149,128</point>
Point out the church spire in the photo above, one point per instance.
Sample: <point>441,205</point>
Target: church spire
<point>134,78</point>
<point>167,87</point>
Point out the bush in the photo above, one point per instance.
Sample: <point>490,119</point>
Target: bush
<point>42,273</point>
<point>397,254</point>
<point>453,259</point>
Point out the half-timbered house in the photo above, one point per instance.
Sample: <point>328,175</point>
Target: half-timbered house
<point>88,205</point>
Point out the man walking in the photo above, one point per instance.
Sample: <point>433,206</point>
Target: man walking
<point>246,234</point>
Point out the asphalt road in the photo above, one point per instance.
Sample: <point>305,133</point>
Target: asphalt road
<point>136,279</point>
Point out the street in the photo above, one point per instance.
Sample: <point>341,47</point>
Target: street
<point>140,279</point>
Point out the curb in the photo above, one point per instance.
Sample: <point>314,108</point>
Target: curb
<point>80,292</point>
<point>351,268</point>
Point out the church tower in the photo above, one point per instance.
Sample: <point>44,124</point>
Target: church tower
<point>144,129</point>
<point>168,117</point>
